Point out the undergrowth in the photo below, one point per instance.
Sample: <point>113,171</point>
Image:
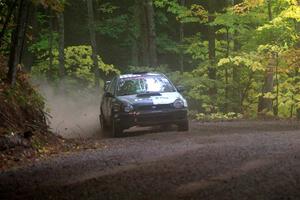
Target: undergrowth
<point>21,106</point>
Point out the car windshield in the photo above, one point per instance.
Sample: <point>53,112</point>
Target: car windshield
<point>140,84</point>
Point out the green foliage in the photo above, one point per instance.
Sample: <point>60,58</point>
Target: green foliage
<point>251,61</point>
<point>78,65</point>
<point>56,5</point>
<point>161,69</point>
<point>107,8</point>
<point>240,74</point>
<point>219,116</point>
<point>24,95</point>
<point>249,45</point>
<point>41,46</point>
<point>196,48</point>
<point>195,14</point>
<point>113,27</point>
<point>166,44</point>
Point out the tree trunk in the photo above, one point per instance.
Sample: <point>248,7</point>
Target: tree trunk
<point>212,72</point>
<point>296,82</point>
<point>50,52</point>
<point>181,36</point>
<point>147,34</point>
<point>61,44</point>
<point>236,89</point>
<point>276,107</point>
<point>226,106</point>
<point>266,104</point>
<point>92,30</point>
<point>49,75</point>
<point>151,33</point>
<point>17,41</point>
<point>134,53</point>
<point>135,36</point>
<point>29,57</point>
<point>7,20</point>
<point>298,46</point>
<point>144,35</point>
<point>270,10</point>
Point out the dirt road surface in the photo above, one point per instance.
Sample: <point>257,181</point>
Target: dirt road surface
<point>224,160</point>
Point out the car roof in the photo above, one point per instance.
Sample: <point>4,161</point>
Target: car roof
<point>139,74</point>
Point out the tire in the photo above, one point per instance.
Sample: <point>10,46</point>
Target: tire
<point>103,123</point>
<point>116,129</point>
<point>183,126</point>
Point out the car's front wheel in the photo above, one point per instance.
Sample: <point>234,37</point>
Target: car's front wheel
<point>103,124</point>
<point>183,126</point>
<point>116,129</point>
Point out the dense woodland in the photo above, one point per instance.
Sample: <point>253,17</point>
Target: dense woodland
<point>236,58</point>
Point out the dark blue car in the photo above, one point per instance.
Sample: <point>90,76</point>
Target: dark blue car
<point>142,99</point>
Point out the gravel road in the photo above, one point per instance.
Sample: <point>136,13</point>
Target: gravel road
<point>223,160</point>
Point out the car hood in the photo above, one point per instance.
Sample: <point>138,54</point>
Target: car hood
<point>163,98</point>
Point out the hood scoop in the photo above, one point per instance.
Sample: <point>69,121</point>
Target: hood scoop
<point>148,94</point>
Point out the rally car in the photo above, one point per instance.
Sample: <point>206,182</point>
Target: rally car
<point>142,99</point>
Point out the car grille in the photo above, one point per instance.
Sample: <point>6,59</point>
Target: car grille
<point>153,107</point>
<point>160,117</point>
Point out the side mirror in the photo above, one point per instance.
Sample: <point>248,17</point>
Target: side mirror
<point>106,85</point>
<point>180,88</point>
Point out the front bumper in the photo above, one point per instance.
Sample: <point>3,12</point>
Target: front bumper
<point>151,118</point>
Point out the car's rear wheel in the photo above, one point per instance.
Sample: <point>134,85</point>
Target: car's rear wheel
<point>116,129</point>
<point>183,126</point>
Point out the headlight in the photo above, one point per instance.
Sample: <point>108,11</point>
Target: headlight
<point>178,103</point>
<point>127,107</point>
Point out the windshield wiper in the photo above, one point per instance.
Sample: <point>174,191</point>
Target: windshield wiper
<point>126,94</point>
<point>148,94</point>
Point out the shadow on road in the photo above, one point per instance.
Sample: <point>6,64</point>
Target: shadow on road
<point>137,131</point>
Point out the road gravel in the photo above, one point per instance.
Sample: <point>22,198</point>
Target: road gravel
<point>215,160</point>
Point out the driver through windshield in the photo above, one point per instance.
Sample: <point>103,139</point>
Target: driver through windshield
<point>144,84</point>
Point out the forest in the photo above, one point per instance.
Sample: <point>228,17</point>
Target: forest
<point>235,58</point>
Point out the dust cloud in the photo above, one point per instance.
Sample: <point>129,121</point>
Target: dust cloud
<point>73,115</point>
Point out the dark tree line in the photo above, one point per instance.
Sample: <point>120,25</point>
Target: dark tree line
<point>21,12</point>
<point>201,40</point>
<point>16,21</point>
